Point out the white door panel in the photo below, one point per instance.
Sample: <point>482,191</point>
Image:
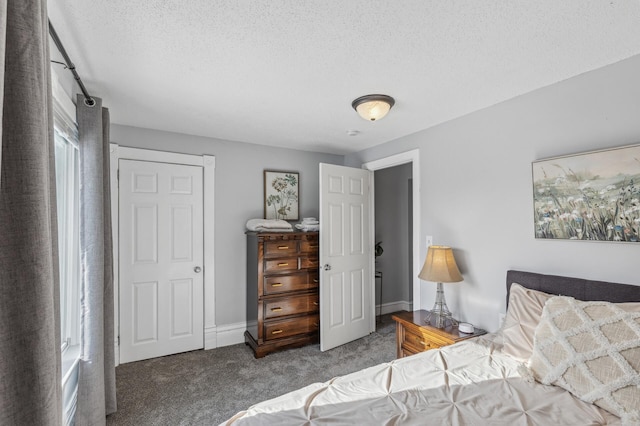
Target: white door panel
<point>346,247</point>
<point>161,258</point>
<point>145,312</point>
<point>181,308</point>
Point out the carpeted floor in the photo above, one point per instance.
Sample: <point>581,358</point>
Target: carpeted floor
<point>208,387</point>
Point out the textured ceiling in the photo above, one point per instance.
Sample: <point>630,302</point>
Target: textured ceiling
<point>284,72</point>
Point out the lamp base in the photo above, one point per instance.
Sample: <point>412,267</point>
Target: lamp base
<point>440,316</point>
<point>437,320</point>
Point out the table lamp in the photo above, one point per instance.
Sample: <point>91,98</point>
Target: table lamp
<point>440,267</point>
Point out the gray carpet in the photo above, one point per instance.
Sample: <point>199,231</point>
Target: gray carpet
<point>208,387</point>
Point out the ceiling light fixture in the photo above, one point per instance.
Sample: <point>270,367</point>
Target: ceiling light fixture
<point>373,107</point>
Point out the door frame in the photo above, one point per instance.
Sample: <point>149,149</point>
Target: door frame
<point>208,164</point>
<point>412,157</point>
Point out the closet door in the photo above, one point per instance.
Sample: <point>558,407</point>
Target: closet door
<point>161,259</point>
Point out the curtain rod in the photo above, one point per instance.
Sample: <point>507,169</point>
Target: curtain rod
<point>88,100</point>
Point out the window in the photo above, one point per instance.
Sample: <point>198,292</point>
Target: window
<point>67,196</point>
<point>68,209</point>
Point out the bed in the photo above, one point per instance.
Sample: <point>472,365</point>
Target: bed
<point>547,365</point>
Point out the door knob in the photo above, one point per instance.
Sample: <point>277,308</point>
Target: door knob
<point>327,267</point>
<point>197,269</point>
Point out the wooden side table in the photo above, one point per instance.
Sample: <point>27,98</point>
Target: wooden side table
<point>414,335</point>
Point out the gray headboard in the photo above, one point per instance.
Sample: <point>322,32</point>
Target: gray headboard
<point>576,287</point>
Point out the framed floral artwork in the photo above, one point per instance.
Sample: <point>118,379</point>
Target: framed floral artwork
<point>281,195</point>
<point>592,196</point>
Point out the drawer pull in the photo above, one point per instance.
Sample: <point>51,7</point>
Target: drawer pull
<point>314,246</point>
<point>283,247</point>
<point>283,264</point>
<point>315,303</point>
<point>315,280</point>
<point>278,309</point>
<point>315,324</point>
<point>276,332</point>
<point>276,285</point>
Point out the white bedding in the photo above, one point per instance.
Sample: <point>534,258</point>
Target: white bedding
<point>469,383</point>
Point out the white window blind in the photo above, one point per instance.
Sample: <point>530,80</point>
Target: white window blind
<point>68,209</point>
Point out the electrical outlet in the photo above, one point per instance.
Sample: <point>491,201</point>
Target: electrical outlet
<point>429,240</point>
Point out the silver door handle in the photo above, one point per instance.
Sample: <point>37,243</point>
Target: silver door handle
<point>327,267</point>
<point>197,269</point>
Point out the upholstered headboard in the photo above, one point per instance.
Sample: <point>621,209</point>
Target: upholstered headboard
<point>576,287</point>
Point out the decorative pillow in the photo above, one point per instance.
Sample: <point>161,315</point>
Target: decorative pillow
<point>591,349</point>
<point>523,316</point>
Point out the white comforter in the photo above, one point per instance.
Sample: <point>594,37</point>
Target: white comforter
<point>469,383</point>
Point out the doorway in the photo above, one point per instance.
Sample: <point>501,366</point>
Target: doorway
<point>409,157</point>
<point>393,237</point>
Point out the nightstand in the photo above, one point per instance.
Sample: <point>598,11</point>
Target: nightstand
<point>413,335</point>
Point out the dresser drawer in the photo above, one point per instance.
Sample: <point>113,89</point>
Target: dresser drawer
<point>309,246</point>
<point>284,264</point>
<point>291,327</point>
<point>280,248</point>
<point>309,262</point>
<point>407,351</point>
<point>291,305</point>
<point>420,342</point>
<point>287,283</point>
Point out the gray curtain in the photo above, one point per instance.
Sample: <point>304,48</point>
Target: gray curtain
<point>3,38</point>
<point>96,383</point>
<point>30,382</point>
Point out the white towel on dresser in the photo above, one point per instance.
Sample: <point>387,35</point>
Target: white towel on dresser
<point>306,227</point>
<point>275,225</point>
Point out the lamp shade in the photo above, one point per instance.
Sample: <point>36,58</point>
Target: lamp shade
<point>440,266</point>
<point>373,107</point>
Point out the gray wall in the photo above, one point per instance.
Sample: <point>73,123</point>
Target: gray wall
<point>392,228</point>
<point>238,197</point>
<point>476,189</point>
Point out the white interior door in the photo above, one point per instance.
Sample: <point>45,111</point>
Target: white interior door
<point>161,259</point>
<point>346,256</point>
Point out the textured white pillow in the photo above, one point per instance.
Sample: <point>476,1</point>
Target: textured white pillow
<point>523,316</point>
<point>591,349</point>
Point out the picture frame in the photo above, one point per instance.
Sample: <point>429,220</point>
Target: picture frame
<point>281,195</point>
<point>592,196</point>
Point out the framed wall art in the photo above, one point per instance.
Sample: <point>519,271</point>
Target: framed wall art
<point>281,195</point>
<point>590,196</point>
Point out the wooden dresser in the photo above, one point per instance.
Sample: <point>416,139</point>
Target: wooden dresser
<point>414,335</point>
<point>282,290</point>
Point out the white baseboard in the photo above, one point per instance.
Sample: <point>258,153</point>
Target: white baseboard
<point>210,337</point>
<point>230,334</point>
<point>387,308</point>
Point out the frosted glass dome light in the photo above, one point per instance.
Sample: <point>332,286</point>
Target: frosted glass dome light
<point>373,107</point>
